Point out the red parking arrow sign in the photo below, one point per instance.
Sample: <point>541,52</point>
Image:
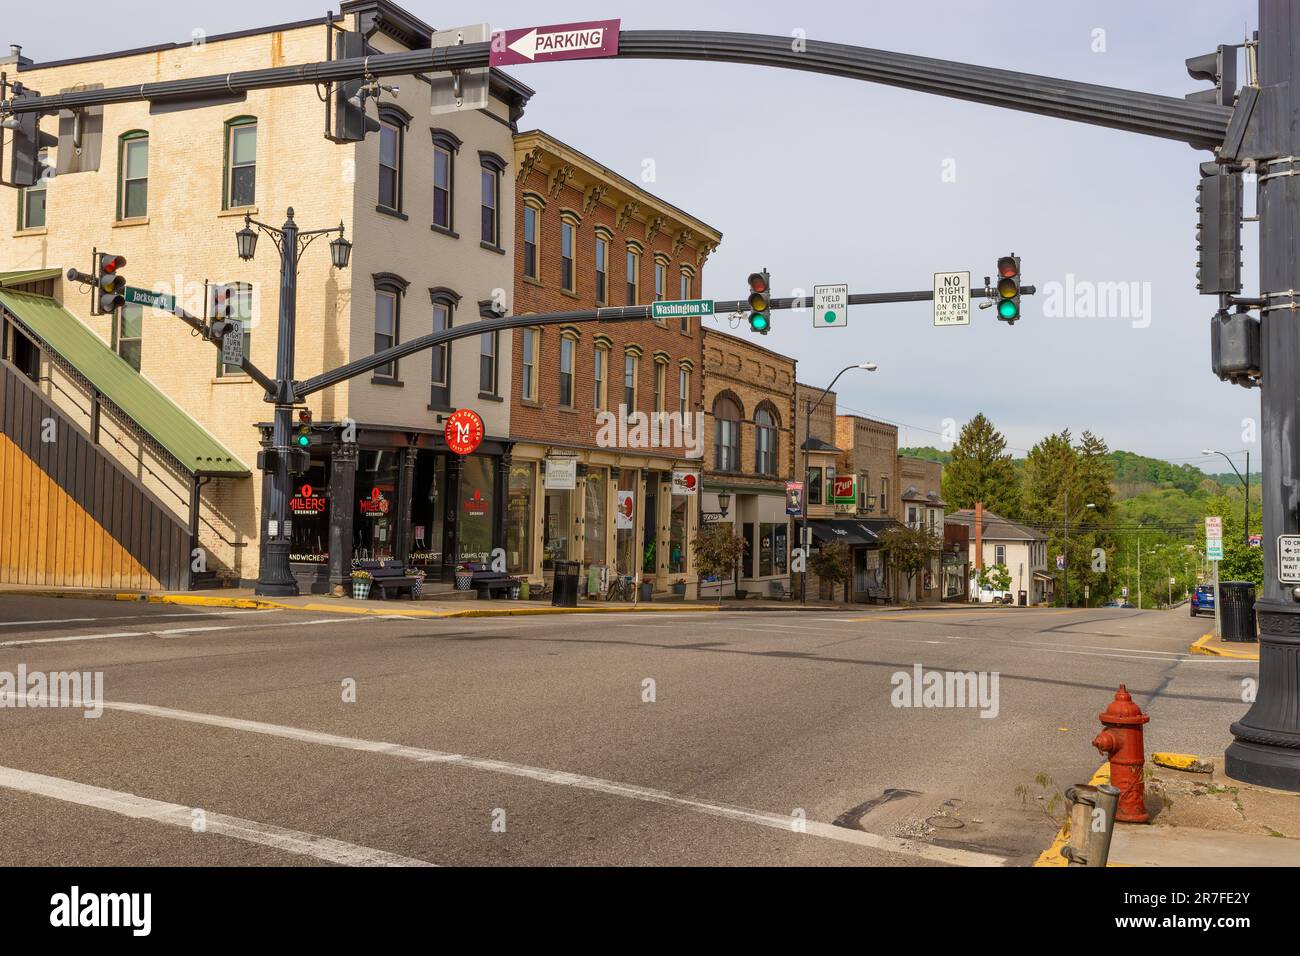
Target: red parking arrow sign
<point>563,41</point>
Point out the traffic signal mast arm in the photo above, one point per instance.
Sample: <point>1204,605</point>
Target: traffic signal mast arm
<point>629,313</point>
<point>1203,125</point>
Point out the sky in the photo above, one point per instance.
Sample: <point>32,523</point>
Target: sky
<point>828,180</point>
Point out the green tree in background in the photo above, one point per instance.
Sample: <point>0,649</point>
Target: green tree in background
<point>981,470</point>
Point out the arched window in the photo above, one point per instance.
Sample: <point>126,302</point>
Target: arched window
<point>765,441</point>
<point>726,438</point>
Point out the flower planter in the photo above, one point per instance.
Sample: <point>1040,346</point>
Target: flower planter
<point>463,579</point>
<point>361,588</point>
<point>647,591</point>
<point>679,589</point>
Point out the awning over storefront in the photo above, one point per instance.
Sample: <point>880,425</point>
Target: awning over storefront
<point>855,532</point>
<point>57,329</point>
<point>1043,576</point>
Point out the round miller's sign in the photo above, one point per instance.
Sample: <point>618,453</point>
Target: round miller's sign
<point>463,431</point>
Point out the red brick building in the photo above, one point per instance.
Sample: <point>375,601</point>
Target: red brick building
<point>591,480</point>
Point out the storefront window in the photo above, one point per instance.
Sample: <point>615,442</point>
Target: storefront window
<point>476,510</point>
<point>595,511</point>
<point>557,521</point>
<point>677,535</point>
<point>310,515</point>
<point>519,518</point>
<point>766,542</point>
<point>625,512</point>
<point>780,548</point>
<point>428,504</point>
<point>374,516</point>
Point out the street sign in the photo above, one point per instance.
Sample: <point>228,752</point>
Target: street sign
<point>156,300</point>
<point>1060,562</point>
<point>232,345</point>
<point>951,298</point>
<point>1257,541</point>
<point>1214,549</point>
<point>1213,527</point>
<point>562,41</point>
<point>1288,558</point>
<point>681,309</point>
<point>831,306</point>
<point>467,89</point>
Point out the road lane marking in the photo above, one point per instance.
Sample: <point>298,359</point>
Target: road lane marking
<point>952,856</point>
<point>133,617</point>
<point>173,814</point>
<point>176,630</point>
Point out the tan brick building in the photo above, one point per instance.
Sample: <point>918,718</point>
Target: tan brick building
<point>749,413</point>
<point>585,238</point>
<point>426,202</point>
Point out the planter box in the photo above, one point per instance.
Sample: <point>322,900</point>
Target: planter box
<point>679,589</point>
<point>361,588</point>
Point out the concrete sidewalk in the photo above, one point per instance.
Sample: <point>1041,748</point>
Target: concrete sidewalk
<point>1201,819</point>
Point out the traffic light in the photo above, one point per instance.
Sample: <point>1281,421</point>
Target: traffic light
<point>351,124</point>
<point>109,282</point>
<point>1220,68</point>
<point>1009,288</point>
<point>760,302</point>
<point>1218,230</point>
<point>303,440</point>
<point>27,142</point>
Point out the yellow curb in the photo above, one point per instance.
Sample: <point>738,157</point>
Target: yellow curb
<point>1202,647</point>
<point>1052,855</point>
<point>1188,762</point>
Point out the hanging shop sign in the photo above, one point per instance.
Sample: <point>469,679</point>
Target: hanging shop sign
<point>561,474</point>
<point>463,431</point>
<point>794,497</point>
<point>685,483</point>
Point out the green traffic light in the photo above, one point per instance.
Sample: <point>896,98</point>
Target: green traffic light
<point>1008,310</point>
<point>304,440</point>
<point>758,322</point>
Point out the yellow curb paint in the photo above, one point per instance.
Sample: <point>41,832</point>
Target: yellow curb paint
<point>1052,855</point>
<point>1189,762</point>
<point>1202,646</point>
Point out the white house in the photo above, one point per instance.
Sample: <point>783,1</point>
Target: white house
<point>1023,551</point>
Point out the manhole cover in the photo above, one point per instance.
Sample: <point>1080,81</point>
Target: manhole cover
<point>944,823</point>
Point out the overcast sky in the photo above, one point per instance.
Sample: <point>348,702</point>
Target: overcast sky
<point>826,180</point>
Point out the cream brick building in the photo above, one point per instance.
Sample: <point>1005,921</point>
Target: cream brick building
<point>419,265</point>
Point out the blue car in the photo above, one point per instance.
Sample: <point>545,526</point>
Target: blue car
<point>1202,600</point>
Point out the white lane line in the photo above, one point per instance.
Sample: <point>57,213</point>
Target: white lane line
<point>135,617</point>
<point>175,630</point>
<point>173,814</point>
<point>777,821</point>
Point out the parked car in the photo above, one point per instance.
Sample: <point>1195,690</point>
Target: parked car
<point>1120,604</point>
<point>1202,600</point>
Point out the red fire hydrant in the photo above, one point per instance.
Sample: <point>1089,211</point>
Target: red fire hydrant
<point>1121,742</point>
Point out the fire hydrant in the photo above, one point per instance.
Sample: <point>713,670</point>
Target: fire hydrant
<point>1121,742</point>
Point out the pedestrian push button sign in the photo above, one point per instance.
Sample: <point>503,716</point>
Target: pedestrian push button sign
<point>1288,558</point>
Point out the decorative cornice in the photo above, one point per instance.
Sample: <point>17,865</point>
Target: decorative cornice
<point>653,228</point>
<point>626,214</point>
<point>703,252</point>
<point>529,163</point>
<point>558,178</point>
<point>683,236</point>
<point>593,197</point>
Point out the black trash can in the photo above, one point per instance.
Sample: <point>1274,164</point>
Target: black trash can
<point>1024,599</point>
<point>1237,610</point>
<point>564,589</point>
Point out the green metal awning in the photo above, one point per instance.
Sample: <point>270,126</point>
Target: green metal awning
<point>9,279</point>
<point>152,411</point>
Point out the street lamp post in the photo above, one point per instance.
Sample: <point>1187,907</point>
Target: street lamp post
<point>1245,483</point>
<point>274,577</point>
<point>807,483</point>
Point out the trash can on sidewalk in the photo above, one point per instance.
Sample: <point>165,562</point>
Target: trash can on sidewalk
<point>1237,610</point>
<point>1024,599</point>
<point>564,591</point>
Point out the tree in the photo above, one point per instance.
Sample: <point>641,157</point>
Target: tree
<point>910,550</point>
<point>996,577</point>
<point>833,565</point>
<point>981,471</point>
<point>718,551</point>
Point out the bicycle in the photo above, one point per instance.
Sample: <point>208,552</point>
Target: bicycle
<point>619,589</point>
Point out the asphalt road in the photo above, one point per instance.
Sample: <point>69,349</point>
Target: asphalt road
<point>768,738</point>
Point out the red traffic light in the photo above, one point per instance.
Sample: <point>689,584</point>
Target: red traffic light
<point>1008,267</point>
<point>110,263</point>
<point>757,282</point>
<point>304,416</point>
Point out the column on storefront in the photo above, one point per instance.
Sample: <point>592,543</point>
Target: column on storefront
<point>342,487</point>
